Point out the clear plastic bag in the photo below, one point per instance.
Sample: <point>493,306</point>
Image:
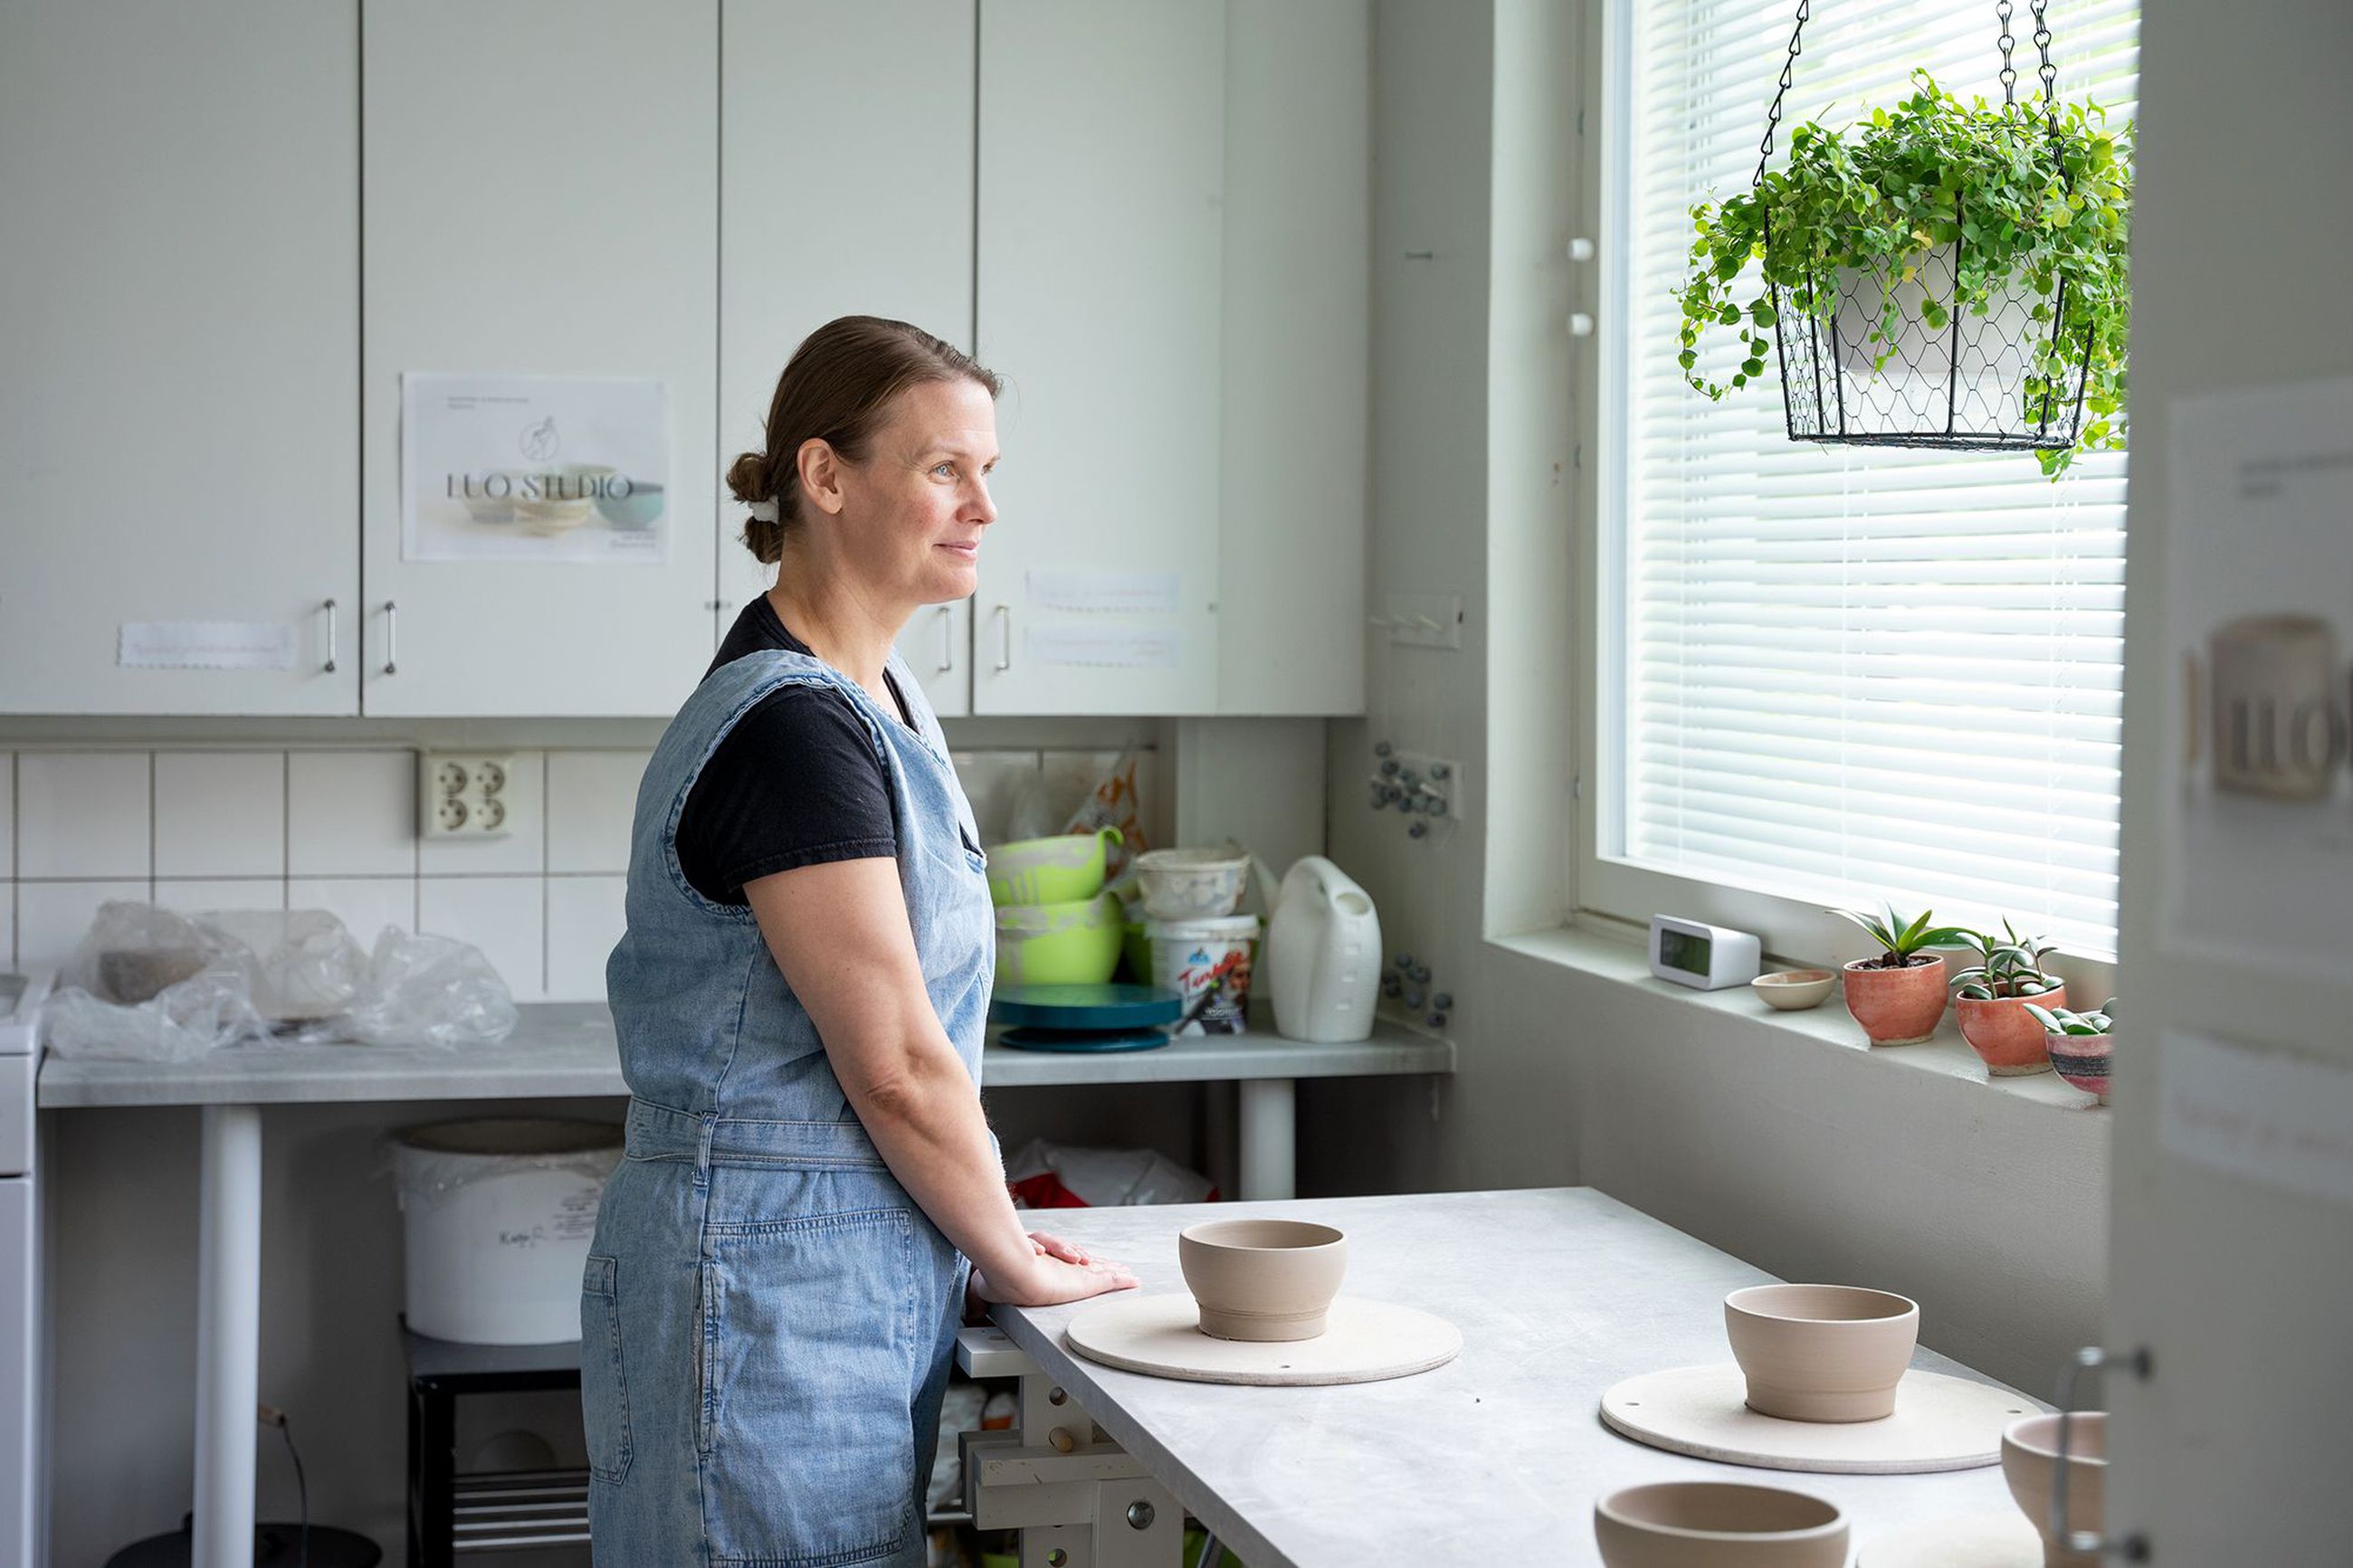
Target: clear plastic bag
<point>430,991</point>
<point>148,985</point>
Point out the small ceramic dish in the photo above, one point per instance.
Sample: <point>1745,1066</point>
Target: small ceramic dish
<point>1262,1278</point>
<point>1821,1352</point>
<point>2029,1462</point>
<point>1192,884</point>
<point>1792,990</point>
<point>1718,1524</point>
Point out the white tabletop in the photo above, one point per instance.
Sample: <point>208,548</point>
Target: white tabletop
<point>566,1048</point>
<point>1495,1457</point>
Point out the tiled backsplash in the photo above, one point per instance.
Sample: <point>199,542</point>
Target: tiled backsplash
<point>336,829</point>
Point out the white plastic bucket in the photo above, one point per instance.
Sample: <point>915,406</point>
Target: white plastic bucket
<point>1190,957</point>
<point>497,1215</point>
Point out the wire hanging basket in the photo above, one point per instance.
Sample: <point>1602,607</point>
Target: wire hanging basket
<point>1894,356</point>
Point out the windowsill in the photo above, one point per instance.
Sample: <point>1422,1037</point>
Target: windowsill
<point>1606,956</point>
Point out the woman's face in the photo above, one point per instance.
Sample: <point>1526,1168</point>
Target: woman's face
<point>911,514</point>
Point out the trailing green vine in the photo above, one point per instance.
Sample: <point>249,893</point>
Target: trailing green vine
<point>2024,200</point>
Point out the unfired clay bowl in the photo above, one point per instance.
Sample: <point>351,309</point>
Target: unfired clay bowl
<point>1262,1278</point>
<point>1821,1352</point>
<point>2029,1455</point>
<point>1718,1524</point>
<point>1791,990</point>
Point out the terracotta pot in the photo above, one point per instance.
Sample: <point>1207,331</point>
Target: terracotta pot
<point>2005,1036</point>
<point>1717,1524</point>
<point>1897,1006</point>
<point>2082,1061</point>
<point>2029,1457</point>
<point>1821,1352</point>
<point>1262,1278</point>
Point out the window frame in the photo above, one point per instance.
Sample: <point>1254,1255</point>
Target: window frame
<point>1606,890</point>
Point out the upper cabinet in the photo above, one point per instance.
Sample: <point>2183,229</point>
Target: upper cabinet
<point>845,188</point>
<point>1101,253</point>
<point>542,185</point>
<point>179,393</point>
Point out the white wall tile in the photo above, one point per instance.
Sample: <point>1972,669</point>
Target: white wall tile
<point>7,813</point>
<point>351,814</point>
<point>83,814</point>
<point>220,813</point>
<point>502,915</point>
<point>585,916</point>
<point>190,894</point>
<point>590,798</point>
<point>994,781</point>
<point>52,916</point>
<point>365,904</point>
<point>520,852</point>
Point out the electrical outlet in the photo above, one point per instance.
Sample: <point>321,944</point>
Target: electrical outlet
<point>464,795</point>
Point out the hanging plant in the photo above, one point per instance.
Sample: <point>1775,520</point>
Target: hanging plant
<point>1942,274</point>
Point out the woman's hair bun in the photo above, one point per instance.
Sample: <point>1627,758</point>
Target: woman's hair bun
<point>747,478</point>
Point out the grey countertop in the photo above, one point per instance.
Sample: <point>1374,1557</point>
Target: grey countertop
<point>1494,1457</point>
<point>566,1048</point>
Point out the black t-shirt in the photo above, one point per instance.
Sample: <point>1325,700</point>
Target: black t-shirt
<point>796,782</point>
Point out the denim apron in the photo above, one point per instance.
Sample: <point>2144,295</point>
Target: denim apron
<point>766,1315</point>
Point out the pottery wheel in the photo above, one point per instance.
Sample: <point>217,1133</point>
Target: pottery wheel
<point>1940,1424</point>
<point>1977,1541</point>
<point>1363,1341</point>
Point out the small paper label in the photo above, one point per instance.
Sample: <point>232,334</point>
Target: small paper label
<point>1124,649</point>
<point>1090,589</point>
<point>205,644</point>
<point>2284,1120</point>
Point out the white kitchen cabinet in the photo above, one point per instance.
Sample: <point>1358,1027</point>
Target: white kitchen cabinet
<point>1173,276</point>
<point>542,182</point>
<point>1101,259</point>
<point>846,152</point>
<point>179,407</point>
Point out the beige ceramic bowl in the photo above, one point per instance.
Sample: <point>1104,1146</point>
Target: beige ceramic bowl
<point>1793,989</point>
<point>1262,1278</point>
<point>2029,1457</point>
<point>1718,1524</point>
<point>1821,1352</point>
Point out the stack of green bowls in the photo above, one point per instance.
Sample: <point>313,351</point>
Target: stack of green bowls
<point>1055,925</point>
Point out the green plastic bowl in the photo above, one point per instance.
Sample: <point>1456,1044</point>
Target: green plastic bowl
<point>1057,871</point>
<point>1075,943</point>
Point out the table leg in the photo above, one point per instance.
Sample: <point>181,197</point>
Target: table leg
<point>1270,1139</point>
<point>229,1327</point>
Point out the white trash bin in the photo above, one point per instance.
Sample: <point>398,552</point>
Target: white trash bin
<point>497,1215</point>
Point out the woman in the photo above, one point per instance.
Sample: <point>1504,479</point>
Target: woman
<point>780,1261</point>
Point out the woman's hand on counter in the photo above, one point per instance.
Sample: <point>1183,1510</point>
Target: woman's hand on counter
<point>1051,1279</point>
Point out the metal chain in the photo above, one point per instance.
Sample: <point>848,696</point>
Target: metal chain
<point>2050,73</point>
<point>1773,117</point>
<point>2008,71</point>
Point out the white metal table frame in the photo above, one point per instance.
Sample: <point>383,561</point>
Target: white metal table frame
<point>231,1091</point>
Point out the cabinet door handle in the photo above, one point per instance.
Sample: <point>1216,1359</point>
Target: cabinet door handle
<point>331,636</point>
<point>947,645</point>
<point>1004,637</point>
<point>390,665</point>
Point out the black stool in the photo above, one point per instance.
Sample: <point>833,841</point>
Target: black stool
<point>500,1510</point>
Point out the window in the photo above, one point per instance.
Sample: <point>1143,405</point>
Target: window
<point>1830,674</point>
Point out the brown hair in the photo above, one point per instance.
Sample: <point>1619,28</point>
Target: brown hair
<point>834,389</point>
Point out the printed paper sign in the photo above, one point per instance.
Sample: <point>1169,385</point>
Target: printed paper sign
<point>204,645</point>
<point>534,467</point>
<point>2284,1120</point>
<point>1083,589</point>
<point>2259,862</point>
<point>1111,648</point>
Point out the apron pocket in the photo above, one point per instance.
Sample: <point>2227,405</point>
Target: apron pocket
<point>808,1388</point>
<point>603,1392</point>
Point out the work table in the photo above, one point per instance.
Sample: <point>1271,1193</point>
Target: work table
<point>1496,1457</point>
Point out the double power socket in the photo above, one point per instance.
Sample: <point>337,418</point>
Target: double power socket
<point>464,795</point>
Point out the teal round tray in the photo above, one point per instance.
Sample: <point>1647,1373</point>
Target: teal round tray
<point>1089,1007</point>
<point>1096,1040</point>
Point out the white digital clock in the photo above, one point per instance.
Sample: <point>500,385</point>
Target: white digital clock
<point>1695,954</point>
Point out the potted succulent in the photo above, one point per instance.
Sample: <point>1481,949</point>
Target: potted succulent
<point>2079,1044</point>
<point>1898,995</point>
<point>1991,1001</point>
<point>1935,230</point>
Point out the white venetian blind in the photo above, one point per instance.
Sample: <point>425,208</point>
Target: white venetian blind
<point>1841,674</point>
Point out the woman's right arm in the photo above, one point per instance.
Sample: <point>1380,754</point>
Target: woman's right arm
<point>839,932</point>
